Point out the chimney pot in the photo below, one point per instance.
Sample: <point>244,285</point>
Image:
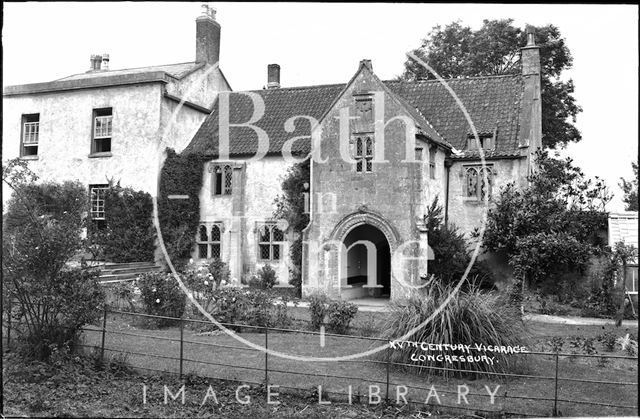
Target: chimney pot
<point>207,37</point>
<point>273,76</point>
<point>105,61</point>
<point>531,35</point>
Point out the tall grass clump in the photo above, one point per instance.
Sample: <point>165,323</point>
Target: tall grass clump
<point>471,317</point>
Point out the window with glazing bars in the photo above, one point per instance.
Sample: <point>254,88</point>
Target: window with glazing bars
<point>30,134</point>
<point>362,152</point>
<point>222,180</point>
<point>102,130</point>
<point>97,193</point>
<point>209,241</point>
<point>476,186</point>
<point>270,239</point>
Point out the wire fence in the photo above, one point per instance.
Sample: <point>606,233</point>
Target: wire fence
<point>180,350</point>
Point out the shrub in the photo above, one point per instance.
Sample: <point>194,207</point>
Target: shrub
<point>129,234</point>
<point>556,343</point>
<point>41,233</point>
<point>470,317</point>
<point>317,309</point>
<point>340,314</point>
<point>265,278</point>
<point>161,296</point>
<point>204,279</point>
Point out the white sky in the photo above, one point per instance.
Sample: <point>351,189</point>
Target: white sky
<point>323,43</point>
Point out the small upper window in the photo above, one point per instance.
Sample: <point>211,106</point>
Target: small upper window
<point>102,130</point>
<point>487,142</point>
<point>222,181</point>
<point>362,152</point>
<point>30,135</point>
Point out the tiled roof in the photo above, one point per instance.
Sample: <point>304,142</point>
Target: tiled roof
<point>623,227</point>
<point>94,79</point>
<point>280,105</point>
<point>490,101</point>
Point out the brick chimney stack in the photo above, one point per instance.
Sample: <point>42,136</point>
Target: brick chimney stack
<point>207,37</point>
<point>273,76</point>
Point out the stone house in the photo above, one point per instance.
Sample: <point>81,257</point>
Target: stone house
<point>106,124</point>
<point>381,151</point>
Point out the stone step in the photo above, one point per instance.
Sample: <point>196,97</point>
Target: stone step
<point>110,265</point>
<point>135,270</point>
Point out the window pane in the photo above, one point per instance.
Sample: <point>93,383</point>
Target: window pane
<point>228,175</point>
<point>203,234</point>
<point>278,236</point>
<point>264,251</point>
<point>359,166</point>
<point>472,182</point>
<point>215,251</point>
<point>369,165</point>
<point>276,251</point>
<point>265,235</point>
<point>358,147</point>
<point>369,147</point>
<point>202,251</point>
<point>215,233</point>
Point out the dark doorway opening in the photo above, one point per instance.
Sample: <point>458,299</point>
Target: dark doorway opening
<point>359,265</point>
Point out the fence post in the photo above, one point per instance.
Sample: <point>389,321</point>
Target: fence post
<point>181,344</point>
<point>388,362</point>
<point>9,323</point>
<point>555,395</point>
<point>104,332</point>
<point>266,355</point>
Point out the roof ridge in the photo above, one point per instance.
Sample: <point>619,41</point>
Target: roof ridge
<point>294,87</point>
<point>123,69</point>
<point>493,76</point>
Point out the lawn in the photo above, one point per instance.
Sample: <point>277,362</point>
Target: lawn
<point>221,356</point>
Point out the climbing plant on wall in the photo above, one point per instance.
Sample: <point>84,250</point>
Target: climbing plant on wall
<point>180,175</point>
<point>129,235</point>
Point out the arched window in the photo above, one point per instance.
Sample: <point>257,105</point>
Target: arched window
<point>270,240</point>
<point>476,186</point>
<point>362,153</point>
<point>209,245</point>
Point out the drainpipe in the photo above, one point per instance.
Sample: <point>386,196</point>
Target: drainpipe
<point>447,165</point>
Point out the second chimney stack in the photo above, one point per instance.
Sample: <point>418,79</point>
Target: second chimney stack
<point>273,76</point>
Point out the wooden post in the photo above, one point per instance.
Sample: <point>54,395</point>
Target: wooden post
<point>181,344</point>
<point>104,332</point>
<point>266,355</point>
<point>555,396</point>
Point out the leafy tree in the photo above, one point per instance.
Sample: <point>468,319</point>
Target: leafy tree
<point>458,51</point>
<point>550,227</point>
<point>290,206</point>
<point>450,250</point>
<point>630,189</point>
<point>41,234</point>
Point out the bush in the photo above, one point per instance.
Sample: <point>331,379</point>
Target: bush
<point>340,314</point>
<point>317,309</point>
<point>129,234</point>
<point>204,279</point>
<point>470,317</point>
<point>264,279</point>
<point>608,340</point>
<point>251,307</point>
<point>41,234</point>
<point>161,296</point>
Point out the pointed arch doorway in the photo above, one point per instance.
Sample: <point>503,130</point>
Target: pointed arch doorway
<point>368,263</point>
